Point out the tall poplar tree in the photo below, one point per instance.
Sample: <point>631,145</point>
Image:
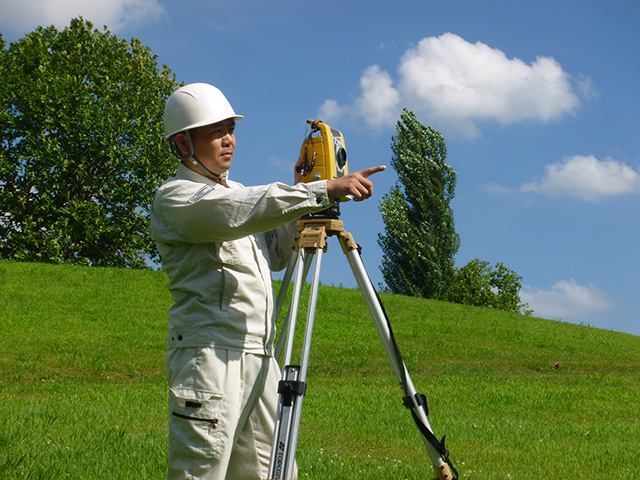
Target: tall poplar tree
<point>420,241</point>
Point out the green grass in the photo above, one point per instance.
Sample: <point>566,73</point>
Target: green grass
<point>83,392</point>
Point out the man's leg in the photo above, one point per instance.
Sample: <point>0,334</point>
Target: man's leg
<point>206,386</point>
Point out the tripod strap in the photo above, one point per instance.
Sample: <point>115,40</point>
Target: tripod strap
<point>418,400</point>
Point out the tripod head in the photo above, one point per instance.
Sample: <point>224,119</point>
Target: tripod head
<point>333,213</point>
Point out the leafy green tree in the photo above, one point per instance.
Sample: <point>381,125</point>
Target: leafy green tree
<point>420,241</point>
<point>477,283</point>
<point>81,149</point>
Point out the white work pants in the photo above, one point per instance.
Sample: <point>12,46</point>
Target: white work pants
<point>222,408</point>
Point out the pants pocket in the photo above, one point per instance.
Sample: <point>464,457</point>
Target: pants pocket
<point>195,428</point>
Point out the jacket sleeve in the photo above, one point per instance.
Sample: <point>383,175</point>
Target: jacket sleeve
<point>201,213</point>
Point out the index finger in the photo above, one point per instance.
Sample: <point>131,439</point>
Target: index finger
<point>371,170</point>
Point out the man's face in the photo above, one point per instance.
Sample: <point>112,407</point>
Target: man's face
<point>213,145</point>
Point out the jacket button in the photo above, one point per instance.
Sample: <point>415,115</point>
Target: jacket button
<point>180,337</point>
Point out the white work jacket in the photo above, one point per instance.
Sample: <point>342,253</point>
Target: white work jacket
<point>219,244</point>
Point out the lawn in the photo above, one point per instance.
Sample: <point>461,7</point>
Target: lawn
<point>83,389</point>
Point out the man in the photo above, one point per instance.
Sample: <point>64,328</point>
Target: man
<point>219,242</point>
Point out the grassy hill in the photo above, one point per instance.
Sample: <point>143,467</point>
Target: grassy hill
<point>83,393</point>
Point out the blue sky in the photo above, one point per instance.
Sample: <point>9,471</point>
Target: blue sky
<point>538,103</point>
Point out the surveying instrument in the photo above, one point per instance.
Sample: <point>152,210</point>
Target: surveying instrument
<point>325,157</point>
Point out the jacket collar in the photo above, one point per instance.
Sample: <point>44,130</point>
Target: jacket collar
<point>186,173</point>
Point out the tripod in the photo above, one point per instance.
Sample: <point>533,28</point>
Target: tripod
<point>312,241</point>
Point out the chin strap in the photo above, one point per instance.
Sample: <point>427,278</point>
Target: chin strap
<point>221,179</point>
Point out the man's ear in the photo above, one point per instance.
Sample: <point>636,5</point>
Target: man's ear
<point>182,142</point>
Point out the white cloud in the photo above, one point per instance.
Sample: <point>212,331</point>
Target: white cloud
<point>24,15</point>
<point>330,111</point>
<point>566,300</point>
<point>497,189</point>
<point>379,102</point>
<point>452,83</point>
<point>586,178</point>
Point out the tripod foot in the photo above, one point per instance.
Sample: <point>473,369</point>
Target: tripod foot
<point>443,472</point>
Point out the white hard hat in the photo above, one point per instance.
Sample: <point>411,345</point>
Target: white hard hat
<point>194,106</point>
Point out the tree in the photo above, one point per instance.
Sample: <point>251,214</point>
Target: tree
<point>420,240</point>
<point>81,149</point>
<point>478,284</point>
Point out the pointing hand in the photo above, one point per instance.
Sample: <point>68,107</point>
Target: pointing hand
<point>356,184</point>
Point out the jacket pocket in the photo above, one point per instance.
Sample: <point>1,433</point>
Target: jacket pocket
<point>195,423</point>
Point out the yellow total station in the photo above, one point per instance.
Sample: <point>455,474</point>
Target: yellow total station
<point>323,153</point>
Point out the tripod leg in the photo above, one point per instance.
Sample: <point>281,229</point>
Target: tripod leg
<point>286,280</point>
<point>303,264</point>
<point>281,434</point>
<point>300,385</point>
<point>415,403</point>
<point>293,384</point>
<point>282,295</point>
